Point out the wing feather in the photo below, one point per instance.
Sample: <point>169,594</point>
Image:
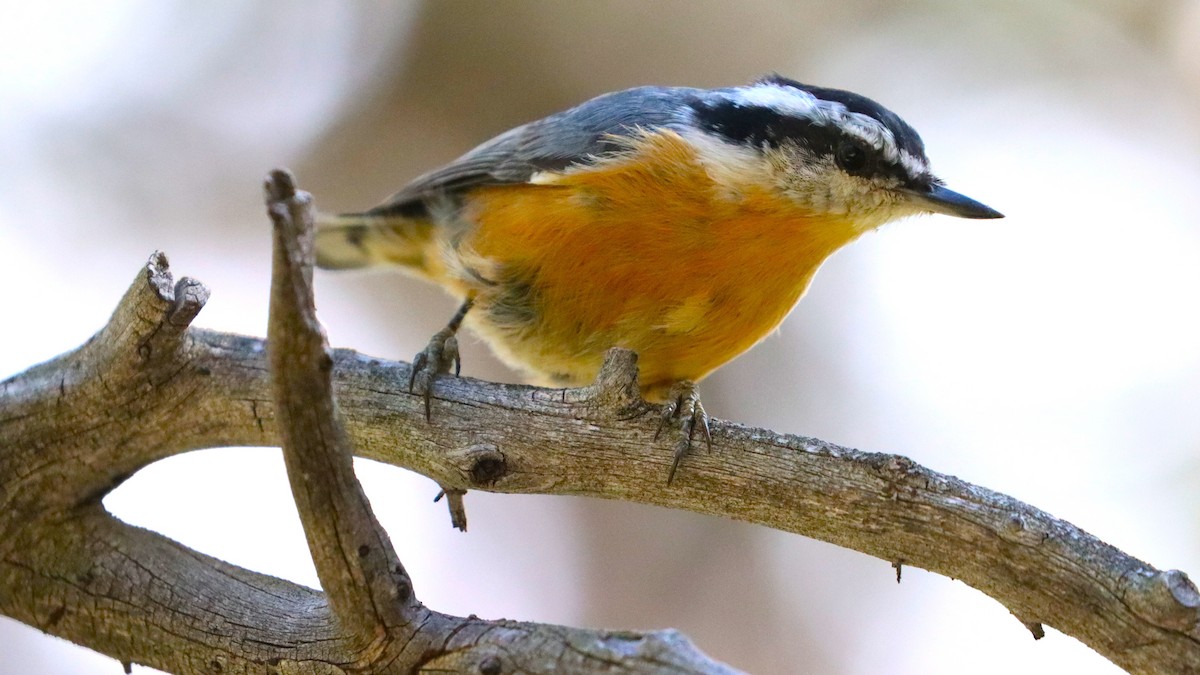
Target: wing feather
<point>580,135</point>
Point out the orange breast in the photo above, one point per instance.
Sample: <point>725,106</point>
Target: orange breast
<point>645,252</point>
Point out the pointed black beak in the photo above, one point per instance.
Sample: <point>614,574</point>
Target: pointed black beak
<point>938,199</point>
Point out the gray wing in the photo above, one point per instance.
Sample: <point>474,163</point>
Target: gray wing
<point>578,135</point>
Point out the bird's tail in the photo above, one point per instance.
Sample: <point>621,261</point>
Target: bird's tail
<point>365,240</point>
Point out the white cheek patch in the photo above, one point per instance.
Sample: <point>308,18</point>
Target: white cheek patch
<point>731,167</point>
<point>817,184</point>
<point>814,183</point>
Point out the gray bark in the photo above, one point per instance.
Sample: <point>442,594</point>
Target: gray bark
<point>149,385</point>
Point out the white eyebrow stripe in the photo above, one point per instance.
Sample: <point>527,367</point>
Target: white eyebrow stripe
<point>784,99</point>
<point>873,133</point>
<point>800,103</point>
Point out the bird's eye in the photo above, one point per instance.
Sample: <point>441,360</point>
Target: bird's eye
<point>851,157</point>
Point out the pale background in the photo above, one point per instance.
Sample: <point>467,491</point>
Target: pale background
<point>1053,355</point>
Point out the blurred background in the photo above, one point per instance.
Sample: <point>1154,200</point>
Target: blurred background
<point>1053,355</point>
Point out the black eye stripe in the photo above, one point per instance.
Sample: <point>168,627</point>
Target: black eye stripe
<point>760,126</point>
<point>763,126</point>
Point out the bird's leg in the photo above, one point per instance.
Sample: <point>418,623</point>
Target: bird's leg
<point>438,357</point>
<point>683,405</point>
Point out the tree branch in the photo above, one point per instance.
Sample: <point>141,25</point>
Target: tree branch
<point>367,587</point>
<point>147,386</point>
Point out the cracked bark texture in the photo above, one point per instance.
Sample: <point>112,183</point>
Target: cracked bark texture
<point>150,385</point>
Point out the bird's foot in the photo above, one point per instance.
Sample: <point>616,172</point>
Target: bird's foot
<point>438,358</point>
<point>683,406</point>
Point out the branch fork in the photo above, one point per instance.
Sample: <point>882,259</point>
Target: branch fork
<point>149,385</point>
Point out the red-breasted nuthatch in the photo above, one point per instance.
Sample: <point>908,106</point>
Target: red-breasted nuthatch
<point>681,223</point>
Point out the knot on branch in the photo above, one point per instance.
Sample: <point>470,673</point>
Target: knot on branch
<point>488,468</point>
<point>481,465</point>
<point>614,393</point>
<point>1167,599</point>
<point>617,379</point>
<point>903,477</point>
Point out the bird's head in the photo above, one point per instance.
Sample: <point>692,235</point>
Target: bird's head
<point>831,152</point>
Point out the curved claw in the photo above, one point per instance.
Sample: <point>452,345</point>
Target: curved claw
<point>452,349</point>
<point>683,404</point>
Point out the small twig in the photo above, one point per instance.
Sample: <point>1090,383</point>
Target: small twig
<point>368,588</point>
<point>454,502</point>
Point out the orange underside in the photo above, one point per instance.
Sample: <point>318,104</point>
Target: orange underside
<point>645,253</point>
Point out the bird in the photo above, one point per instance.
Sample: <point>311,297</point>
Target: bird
<point>681,223</point>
